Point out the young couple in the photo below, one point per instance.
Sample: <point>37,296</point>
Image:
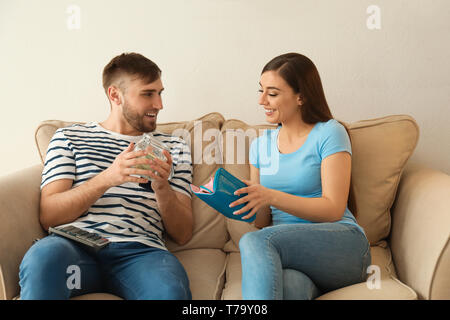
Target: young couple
<point>309,242</point>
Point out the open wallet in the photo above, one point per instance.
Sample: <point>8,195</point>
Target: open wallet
<point>219,193</point>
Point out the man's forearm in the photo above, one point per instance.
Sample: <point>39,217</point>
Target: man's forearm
<point>67,206</point>
<point>176,216</point>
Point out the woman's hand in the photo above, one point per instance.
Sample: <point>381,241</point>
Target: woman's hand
<point>257,198</point>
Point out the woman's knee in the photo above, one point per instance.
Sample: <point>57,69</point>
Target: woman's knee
<point>298,286</point>
<point>250,241</point>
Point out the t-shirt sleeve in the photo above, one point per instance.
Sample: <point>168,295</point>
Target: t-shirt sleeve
<point>335,139</point>
<point>253,154</point>
<point>182,168</point>
<point>59,160</point>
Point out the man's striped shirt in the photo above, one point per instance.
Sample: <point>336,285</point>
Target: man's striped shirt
<point>127,212</point>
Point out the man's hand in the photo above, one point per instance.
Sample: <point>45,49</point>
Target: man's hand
<point>162,172</point>
<point>122,168</point>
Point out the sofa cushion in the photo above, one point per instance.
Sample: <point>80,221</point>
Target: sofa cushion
<point>380,147</point>
<point>389,286</point>
<point>44,133</point>
<point>203,134</point>
<point>237,137</point>
<point>204,138</point>
<point>206,272</point>
<point>233,274</point>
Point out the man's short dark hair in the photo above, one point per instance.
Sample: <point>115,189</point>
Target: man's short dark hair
<point>130,64</point>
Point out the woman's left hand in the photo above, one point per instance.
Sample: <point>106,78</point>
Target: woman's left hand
<point>257,197</point>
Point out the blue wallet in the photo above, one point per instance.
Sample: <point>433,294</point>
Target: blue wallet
<point>219,193</point>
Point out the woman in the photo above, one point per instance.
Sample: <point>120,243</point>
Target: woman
<point>300,181</point>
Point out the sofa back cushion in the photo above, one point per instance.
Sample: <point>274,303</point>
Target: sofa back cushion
<point>237,137</point>
<point>203,135</point>
<point>380,147</point>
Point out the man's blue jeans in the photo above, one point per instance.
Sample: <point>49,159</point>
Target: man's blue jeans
<point>130,270</point>
<point>302,261</point>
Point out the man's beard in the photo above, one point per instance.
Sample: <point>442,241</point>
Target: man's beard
<point>136,120</point>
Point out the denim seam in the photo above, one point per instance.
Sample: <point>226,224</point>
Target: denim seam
<point>363,262</point>
<point>274,288</point>
<point>364,258</point>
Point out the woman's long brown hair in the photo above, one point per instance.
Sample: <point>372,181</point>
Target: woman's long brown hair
<point>302,76</point>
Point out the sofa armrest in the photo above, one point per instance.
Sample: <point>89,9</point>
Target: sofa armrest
<point>19,224</point>
<point>420,231</point>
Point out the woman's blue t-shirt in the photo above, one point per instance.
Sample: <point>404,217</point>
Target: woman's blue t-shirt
<point>299,173</point>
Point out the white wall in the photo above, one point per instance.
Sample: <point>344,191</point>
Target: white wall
<point>212,52</point>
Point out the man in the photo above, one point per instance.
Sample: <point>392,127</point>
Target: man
<point>90,181</point>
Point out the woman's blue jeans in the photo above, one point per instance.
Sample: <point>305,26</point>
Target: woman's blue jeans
<point>130,270</point>
<point>302,261</point>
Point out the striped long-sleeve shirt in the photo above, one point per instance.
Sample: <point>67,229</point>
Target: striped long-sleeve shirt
<point>128,212</point>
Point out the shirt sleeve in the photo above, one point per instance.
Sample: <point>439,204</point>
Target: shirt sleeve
<point>253,154</point>
<point>59,160</point>
<point>335,140</point>
<point>182,169</point>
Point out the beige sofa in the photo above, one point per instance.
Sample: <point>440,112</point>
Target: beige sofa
<point>404,208</point>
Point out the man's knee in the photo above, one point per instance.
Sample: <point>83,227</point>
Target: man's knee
<point>175,280</point>
<point>40,254</point>
<point>176,288</point>
<point>167,275</point>
<point>44,266</point>
<point>48,253</point>
<point>163,286</point>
